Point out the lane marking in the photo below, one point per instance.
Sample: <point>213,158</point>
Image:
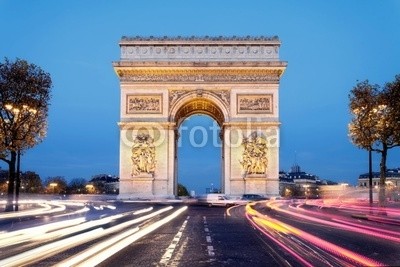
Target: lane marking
<point>171,248</point>
<point>210,249</point>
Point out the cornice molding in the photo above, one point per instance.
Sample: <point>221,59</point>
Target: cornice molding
<point>199,74</point>
<point>191,39</point>
<point>148,125</point>
<point>251,124</point>
<point>197,64</point>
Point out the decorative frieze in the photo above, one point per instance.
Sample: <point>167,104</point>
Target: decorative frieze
<point>254,103</point>
<point>199,75</point>
<point>200,48</point>
<point>206,53</point>
<point>144,104</point>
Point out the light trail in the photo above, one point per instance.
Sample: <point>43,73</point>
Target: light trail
<point>268,225</point>
<point>376,232</point>
<point>35,255</point>
<point>103,255</point>
<point>82,210</point>
<point>41,252</point>
<point>282,245</point>
<point>91,252</point>
<point>46,209</point>
<point>16,237</point>
<point>143,211</point>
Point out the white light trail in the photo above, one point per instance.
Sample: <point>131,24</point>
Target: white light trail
<point>41,252</point>
<point>16,237</point>
<point>91,252</point>
<point>143,211</point>
<point>93,261</point>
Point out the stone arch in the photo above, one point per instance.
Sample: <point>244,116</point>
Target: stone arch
<point>193,103</point>
<point>234,80</point>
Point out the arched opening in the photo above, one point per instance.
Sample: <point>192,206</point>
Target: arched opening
<point>199,148</point>
<point>199,159</point>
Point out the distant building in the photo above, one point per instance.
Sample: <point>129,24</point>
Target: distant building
<point>392,178</point>
<point>104,184</point>
<point>301,184</point>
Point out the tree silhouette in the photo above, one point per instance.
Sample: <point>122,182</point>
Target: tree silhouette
<point>24,100</point>
<point>375,121</point>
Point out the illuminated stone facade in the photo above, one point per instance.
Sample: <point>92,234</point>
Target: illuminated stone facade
<point>165,80</point>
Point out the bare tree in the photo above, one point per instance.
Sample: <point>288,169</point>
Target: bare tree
<point>375,124</point>
<point>24,100</point>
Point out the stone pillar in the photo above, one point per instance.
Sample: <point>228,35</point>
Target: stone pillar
<point>253,178</point>
<point>149,182</point>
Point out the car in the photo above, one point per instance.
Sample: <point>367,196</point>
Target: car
<point>253,197</point>
<point>216,200</point>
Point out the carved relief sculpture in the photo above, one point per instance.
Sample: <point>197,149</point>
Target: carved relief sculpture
<point>254,157</point>
<point>143,155</point>
<point>224,96</point>
<point>143,104</point>
<point>254,103</point>
<point>175,95</point>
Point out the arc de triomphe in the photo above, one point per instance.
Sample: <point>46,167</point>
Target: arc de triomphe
<point>165,80</point>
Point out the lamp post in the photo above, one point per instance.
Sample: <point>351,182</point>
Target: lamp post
<point>21,116</point>
<point>17,179</point>
<point>370,176</point>
<point>368,114</point>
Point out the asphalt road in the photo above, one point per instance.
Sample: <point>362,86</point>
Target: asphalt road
<point>207,237</point>
<point>274,233</point>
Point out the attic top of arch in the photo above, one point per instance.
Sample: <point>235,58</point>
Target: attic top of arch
<point>200,49</point>
<point>199,38</point>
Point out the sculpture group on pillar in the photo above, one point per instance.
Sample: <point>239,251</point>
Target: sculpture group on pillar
<point>143,155</point>
<point>254,157</point>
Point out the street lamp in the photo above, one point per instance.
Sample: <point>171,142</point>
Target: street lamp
<point>306,190</point>
<point>89,188</point>
<point>370,176</point>
<point>54,185</point>
<point>21,115</point>
<point>371,115</point>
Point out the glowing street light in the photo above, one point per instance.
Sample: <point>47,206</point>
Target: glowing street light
<point>21,115</point>
<point>54,185</point>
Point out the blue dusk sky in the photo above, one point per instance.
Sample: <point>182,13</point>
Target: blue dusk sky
<point>329,46</point>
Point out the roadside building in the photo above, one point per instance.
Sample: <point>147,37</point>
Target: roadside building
<point>298,183</point>
<point>392,178</point>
